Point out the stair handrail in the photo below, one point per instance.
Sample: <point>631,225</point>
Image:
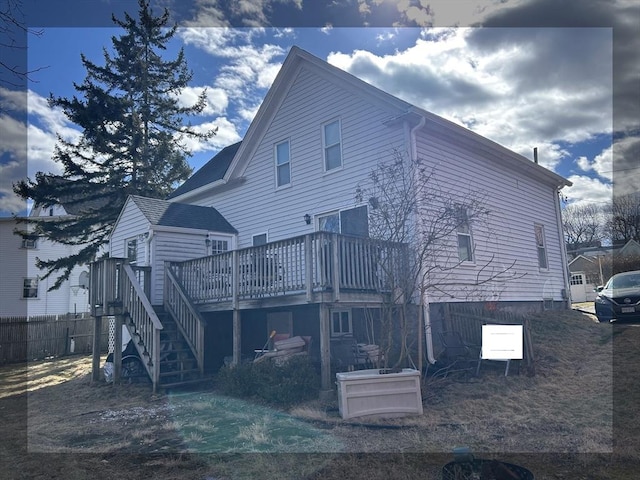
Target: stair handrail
<point>146,324</point>
<point>187,317</point>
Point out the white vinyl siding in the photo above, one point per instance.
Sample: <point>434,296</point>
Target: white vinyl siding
<point>256,207</point>
<point>504,240</point>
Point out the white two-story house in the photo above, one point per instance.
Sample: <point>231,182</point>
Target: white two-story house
<point>287,245</point>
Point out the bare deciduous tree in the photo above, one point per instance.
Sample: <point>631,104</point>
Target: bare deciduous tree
<point>407,205</point>
<point>583,226</point>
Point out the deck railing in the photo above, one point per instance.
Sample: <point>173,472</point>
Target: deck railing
<point>117,288</point>
<point>146,324</point>
<point>315,262</point>
<point>187,317</point>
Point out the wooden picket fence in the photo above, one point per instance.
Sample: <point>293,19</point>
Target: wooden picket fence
<point>34,338</point>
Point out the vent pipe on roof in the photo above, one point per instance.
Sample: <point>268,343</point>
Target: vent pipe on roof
<point>535,154</point>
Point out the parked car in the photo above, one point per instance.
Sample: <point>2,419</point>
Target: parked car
<point>619,299</point>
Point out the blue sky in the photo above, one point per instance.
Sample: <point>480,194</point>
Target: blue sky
<point>545,87</point>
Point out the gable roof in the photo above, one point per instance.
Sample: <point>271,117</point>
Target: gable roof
<point>182,215</point>
<point>211,171</point>
<point>404,111</point>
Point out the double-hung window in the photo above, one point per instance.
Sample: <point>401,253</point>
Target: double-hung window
<point>463,230</point>
<point>132,250</point>
<point>30,288</point>
<point>341,323</point>
<point>332,144</point>
<point>541,246</point>
<point>283,164</point>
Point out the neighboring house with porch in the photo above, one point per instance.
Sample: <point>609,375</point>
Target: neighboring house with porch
<point>290,249</point>
<point>23,292</point>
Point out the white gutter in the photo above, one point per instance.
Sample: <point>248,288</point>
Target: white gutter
<point>424,298</point>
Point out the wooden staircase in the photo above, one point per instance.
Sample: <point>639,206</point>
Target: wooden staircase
<point>178,365</point>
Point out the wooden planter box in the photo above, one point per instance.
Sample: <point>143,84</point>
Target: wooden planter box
<point>370,393</point>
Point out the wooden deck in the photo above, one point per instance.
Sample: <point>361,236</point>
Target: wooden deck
<point>314,268</point>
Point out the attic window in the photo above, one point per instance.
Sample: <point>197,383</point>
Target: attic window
<point>283,164</point>
<point>30,242</point>
<point>332,143</point>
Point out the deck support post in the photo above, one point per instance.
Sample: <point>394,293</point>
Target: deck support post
<point>325,352</point>
<point>237,336</point>
<point>117,350</point>
<point>95,363</point>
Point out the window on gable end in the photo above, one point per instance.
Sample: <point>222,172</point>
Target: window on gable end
<point>283,164</point>
<point>332,144</point>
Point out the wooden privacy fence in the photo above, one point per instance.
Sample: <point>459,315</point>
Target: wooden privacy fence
<point>39,337</point>
<point>468,321</point>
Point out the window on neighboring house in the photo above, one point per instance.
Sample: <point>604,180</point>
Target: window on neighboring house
<point>219,246</point>
<point>463,230</point>
<point>352,221</point>
<point>30,288</point>
<point>541,246</point>
<point>283,164</point>
<point>132,250</point>
<point>341,323</point>
<point>260,239</point>
<point>332,142</point>
<point>30,242</point>
<point>576,279</point>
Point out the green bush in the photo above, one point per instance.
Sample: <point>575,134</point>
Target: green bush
<point>294,381</point>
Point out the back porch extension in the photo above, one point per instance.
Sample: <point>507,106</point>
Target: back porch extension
<point>326,269</point>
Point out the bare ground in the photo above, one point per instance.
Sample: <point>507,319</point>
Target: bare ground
<point>575,419</point>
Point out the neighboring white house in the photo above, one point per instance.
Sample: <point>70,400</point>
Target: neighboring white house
<point>319,134</point>
<point>591,267</point>
<point>22,290</point>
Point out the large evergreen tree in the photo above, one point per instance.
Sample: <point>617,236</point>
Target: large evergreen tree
<point>131,140</point>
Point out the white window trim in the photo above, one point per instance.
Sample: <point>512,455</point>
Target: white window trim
<point>327,214</point>
<point>126,249</point>
<point>266,234</point>
<point>37,288</point>
<point>324,147</point>
<point>350,321</point>
<point>543,246</point>
<point>29,243</point>
<point>276,165</point>
<point>469,234</point>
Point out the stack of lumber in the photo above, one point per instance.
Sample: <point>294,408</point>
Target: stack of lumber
<point>285,348</point>
<point>370,352</point>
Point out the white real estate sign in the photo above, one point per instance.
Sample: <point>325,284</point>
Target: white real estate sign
<point>502,342</point>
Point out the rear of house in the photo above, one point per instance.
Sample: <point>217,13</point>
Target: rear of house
<point>300,259</point>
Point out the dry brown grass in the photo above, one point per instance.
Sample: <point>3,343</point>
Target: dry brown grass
<point>560,423</point>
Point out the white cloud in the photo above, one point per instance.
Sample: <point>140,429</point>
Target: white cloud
<point>216,99</point>
<point>587,190</point>
<point>226,134</point>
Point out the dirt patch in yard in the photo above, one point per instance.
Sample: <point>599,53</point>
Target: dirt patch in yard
<point>575,419</point>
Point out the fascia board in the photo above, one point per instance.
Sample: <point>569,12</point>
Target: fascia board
<point>491,149</point>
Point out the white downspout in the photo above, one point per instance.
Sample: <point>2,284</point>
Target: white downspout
<point>563,249</point>
<point>424,299</point>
